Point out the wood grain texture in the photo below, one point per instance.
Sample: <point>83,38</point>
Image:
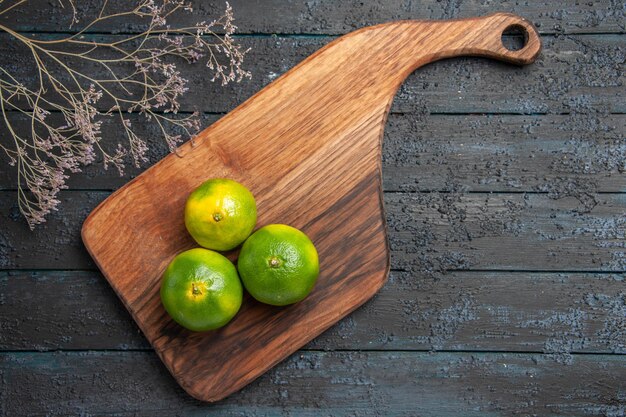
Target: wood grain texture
<point>583,152</point>
<point>508,232</point>
<point>560,314</point>
<point>573,74</point>
<point>479,231</point>
<point>578,153</point>
<point>308,146</point>
<point>338,17</point>
<point>335,384</point>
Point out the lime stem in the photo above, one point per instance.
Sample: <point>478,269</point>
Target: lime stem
<point>217,216</point>
<point>274,262</point>
<point>195,289</point>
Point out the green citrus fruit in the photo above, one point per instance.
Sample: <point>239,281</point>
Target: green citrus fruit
<point>220,214</point>
<point>278,265</point>
<point>201,290</point>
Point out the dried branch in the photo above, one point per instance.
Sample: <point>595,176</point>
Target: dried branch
<point>132,74</point>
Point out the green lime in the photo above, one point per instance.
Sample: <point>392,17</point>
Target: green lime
<point>201,290</point>
<point>278,265</point>
<point>220,214</point>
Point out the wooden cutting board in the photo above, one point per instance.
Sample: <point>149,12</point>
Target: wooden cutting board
<point>309,148</point>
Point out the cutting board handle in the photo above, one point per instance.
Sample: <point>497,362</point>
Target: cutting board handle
<point>493,47</point>
<point>357,75</point>
<point>355,78</point>
<point>418,42</point>
<point>482,36</point>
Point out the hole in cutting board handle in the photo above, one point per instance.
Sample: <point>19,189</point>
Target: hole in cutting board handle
<point>514,37</point>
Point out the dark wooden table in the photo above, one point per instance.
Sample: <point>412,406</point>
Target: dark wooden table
<point>505,192</point>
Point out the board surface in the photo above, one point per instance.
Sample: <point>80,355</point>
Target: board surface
<point>309,148</point>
